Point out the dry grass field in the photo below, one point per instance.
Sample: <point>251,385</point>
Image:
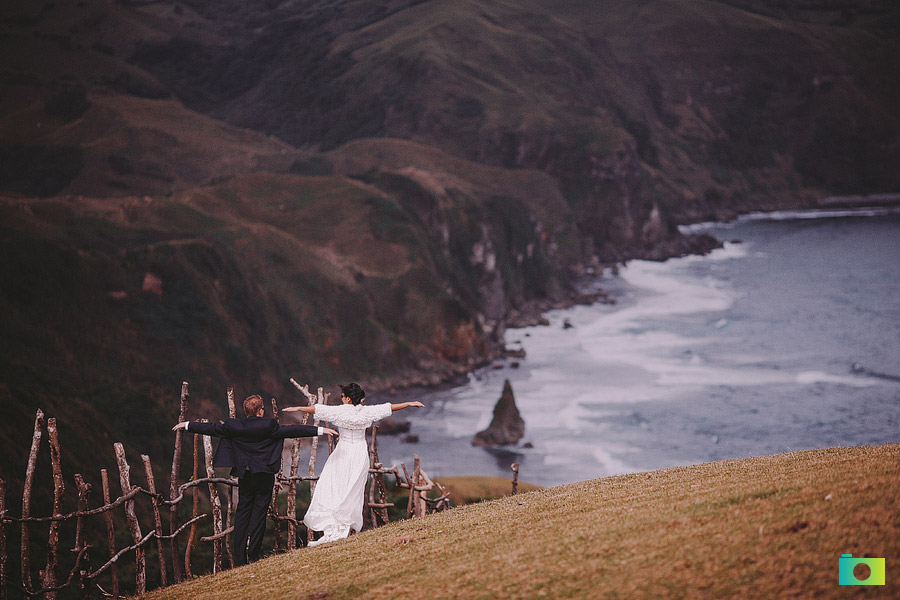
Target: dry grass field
<point>766,527</point>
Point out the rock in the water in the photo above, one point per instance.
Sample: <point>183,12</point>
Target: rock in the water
<point>507,426</point>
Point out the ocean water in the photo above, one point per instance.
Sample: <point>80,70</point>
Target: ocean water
<point>788,338</point>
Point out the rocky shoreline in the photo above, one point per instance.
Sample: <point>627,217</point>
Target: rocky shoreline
<point>860,201</point>
<point>432,371</point>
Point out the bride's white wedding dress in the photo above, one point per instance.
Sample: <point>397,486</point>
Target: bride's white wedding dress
<point>337,503</point>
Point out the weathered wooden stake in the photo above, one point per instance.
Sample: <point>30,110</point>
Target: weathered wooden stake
<point>411,485</point>
<point>48,575</point>
<point>140,567</point>
<point>320,399</point>
<point>378,482</point>
<point>157,520</point>
<point>216,504</point>
<point>419,505</point>
<point>26,498</point>
<point>3,556</point>
<point>305,421</point>
<point>311,471</point>
<point>292,495</point>
<point>229,504</point>
<point>173,486</point>
<point>231,490</point>
<point>515,481</point>
<point>412,507</point>
<point>110,533</point>
<point>273,507</point>
<point>84,490</point>
<point>232,412</point>
<point>192,536</point>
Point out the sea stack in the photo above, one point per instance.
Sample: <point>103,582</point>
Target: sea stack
<point>507,426</point>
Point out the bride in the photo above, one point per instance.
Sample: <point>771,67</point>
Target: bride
<point>337,504</point>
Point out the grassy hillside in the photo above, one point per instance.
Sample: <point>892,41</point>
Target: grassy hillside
<point>768,527</point>
<point>468,489</point>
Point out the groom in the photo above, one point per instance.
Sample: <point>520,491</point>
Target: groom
<point>252,447</point>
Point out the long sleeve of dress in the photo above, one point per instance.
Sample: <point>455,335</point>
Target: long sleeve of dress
<point>353,417</point>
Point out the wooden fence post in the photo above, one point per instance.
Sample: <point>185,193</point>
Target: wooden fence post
<point>409,483</point>
<point>311,471</point>
<point>378,483</point>
<point>84,490</point>
<point>26,498</point>
<point>515,481</point>
<point>232,412</point>
<point>216,504</point>
<point>292,496</point>
<point>173,486</point>
<point>140,562</point>
<point>231,490</point>
<point>110,533</point>
<point>3,557</point>
<point>414,506</point>
<point>420,479</point>
<point>48,575</point>
<point>314,449</point>
<point>273,507</point>
<point>192,536</point>
<point>157,520</point>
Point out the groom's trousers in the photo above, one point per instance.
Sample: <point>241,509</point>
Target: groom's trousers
<point>254,498</point>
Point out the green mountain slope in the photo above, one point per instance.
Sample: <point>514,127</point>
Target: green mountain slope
<point>695,108</point>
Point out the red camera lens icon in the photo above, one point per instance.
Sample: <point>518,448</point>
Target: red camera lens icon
<point>847,571</point>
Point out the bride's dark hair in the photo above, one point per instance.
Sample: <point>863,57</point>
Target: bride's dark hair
<point>354,392</point>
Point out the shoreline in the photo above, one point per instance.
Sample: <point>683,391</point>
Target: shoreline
<point>433,372</point>
<point>860,201</point>
<point>692,240</point>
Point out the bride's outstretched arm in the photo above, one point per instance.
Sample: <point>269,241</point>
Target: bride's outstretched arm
<point>306,409</point>
<point>402,405</point>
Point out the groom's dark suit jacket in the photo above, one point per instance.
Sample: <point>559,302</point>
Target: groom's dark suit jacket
<point>254,443</point>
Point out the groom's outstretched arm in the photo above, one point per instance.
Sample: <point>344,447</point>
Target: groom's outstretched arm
<point>294,431</point>
<point>216,429</point>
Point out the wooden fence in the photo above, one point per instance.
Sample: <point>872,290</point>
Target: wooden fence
<point>81,580</point>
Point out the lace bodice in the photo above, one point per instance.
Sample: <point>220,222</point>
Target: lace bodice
<point>352,435</point>
<point>352,420</point>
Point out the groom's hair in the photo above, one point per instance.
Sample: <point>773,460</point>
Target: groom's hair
<point>354,392</point>
<point>252,405</point>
